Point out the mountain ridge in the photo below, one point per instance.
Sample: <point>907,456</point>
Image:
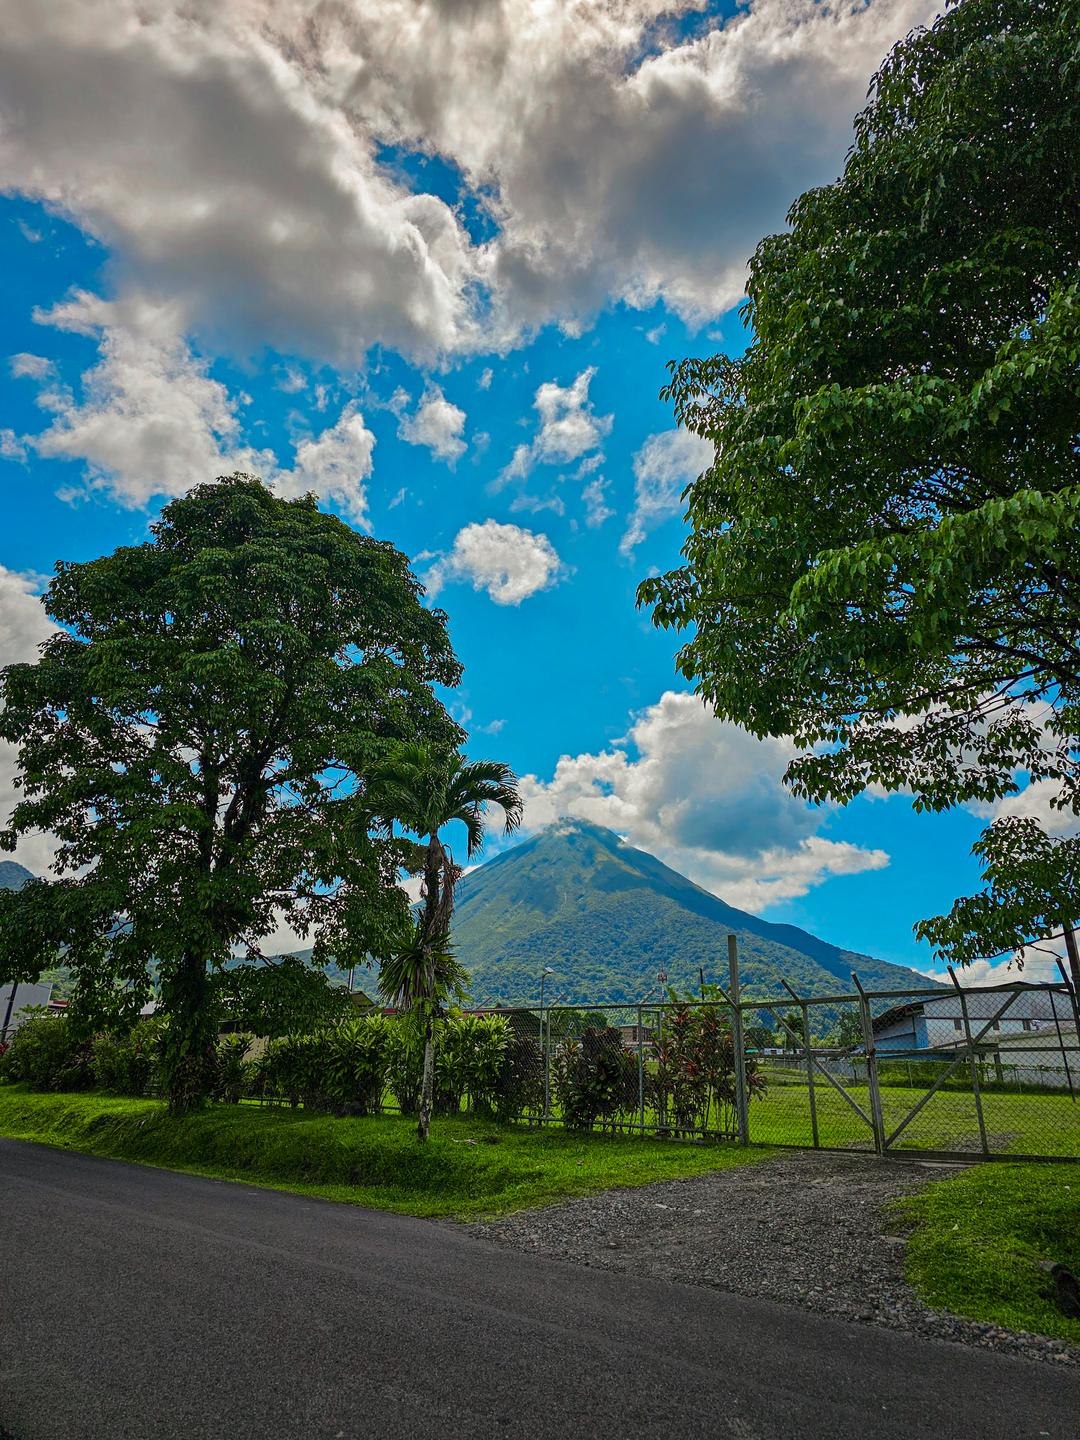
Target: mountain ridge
<point>608,918</point>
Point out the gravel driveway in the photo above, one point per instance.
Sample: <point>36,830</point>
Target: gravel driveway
<point>804,1228</point>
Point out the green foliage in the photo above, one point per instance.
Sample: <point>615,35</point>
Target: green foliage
<point>127,1064</point>
<point>279,997</point>
<point>469,1054</point>
<point>374,1161</point>
<point>882,557</point>
<point>692,1083</point>
<point>233,1073</point>
<point>199,736</point>
<point>594,1078</point>
<point>982,1242</point>
<point>356,1060</point>
<point>48,1053</point>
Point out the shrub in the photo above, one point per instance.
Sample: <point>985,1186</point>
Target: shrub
<point>519,1085</point>
<point>594,1078</point>
<point>48,1054</point>
<point>692,1085</point>
<point>233,1073</point>
<point>355,1062</point>
<point>405,1062</point>
<point>469,1051</point>
<point>127,1064</point>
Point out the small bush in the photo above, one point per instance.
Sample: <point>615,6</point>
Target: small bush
<point>48,1054</point>
<point>127,1064</point>
<point>594,1078</point>
<point>405,1062</point>
<point>233,1073</point>
<point>355,1063</point>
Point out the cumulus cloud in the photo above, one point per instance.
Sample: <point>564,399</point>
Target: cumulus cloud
<point>508,562</point>
<point>152,421</point>
<point>708,799</point>
<point>663,468</point>
<point>438,424</point>
<point>23,626</point>
<point>227,152</point>
<point>568,426</point>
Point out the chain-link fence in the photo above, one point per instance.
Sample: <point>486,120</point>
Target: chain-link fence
<point>990,1070</point>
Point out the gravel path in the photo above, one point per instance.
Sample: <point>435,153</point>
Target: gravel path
<point>804,1229</point>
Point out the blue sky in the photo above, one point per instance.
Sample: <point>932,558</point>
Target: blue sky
<point>450,317</point>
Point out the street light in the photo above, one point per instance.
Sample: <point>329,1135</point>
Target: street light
<point>545,1043</point>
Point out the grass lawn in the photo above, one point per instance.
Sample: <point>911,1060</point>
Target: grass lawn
<point>1016,1124</point>
<point>469,1169</point>
<point>979,1238</point>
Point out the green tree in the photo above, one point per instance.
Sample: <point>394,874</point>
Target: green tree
<point>882,559</point>
<point>426,789</point>
<point>198,737</point>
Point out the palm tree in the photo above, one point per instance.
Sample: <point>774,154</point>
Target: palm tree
<point>424,790</point>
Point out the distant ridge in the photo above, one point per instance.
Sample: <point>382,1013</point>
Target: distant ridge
<point>607,918</point>
<point>13,876</point>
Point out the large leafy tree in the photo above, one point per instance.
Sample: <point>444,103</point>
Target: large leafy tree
<point>426,790</point>
<point>883,556</point>
<point>199,736</point>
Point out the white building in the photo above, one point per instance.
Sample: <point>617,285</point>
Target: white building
<point>16,1000</point>
<point>938,1021</point>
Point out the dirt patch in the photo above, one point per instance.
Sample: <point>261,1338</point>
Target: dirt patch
<point>805,1228</point>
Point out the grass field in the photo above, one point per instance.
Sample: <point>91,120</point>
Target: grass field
<point>469,1168</point>
<point>981,1241</point>
<point>1016,1124</point>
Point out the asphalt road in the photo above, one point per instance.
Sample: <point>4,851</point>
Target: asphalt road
<point>139,1303</point>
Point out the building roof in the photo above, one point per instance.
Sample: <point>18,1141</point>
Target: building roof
<point>1030,1003</point>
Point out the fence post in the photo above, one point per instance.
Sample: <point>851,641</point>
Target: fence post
<point>871,1066</point>
<point>737,1042</point>
<point>545,1037</point>
<point>974,1061</point>
<point>640,1073</point>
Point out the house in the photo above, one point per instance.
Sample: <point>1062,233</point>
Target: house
<point>16,1000</point>
<point>937,1021</point>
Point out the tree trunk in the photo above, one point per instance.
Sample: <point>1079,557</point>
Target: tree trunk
<point>1074,958</point>
<point>432,875</point>
<point>190,1035</point>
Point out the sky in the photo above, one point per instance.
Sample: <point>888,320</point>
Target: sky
<point>428,259</point>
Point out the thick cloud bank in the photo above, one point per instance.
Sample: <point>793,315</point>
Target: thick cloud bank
<point>238,156</point>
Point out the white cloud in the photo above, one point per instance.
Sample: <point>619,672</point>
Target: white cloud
<point>663,467</point>
<point>11,447</point>
<point>334,464</point>
<point>227,152</point>
<point>486,376</point>
<point>597,509</point>
<point>31,367</point>
<point>438,424</point>
<point>568,427</point>
<point>23,626</point>
<point>707,798</point>
<point>152,421</point>
<point>508,562</point>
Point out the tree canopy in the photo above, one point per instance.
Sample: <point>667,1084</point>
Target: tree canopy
<point>198,736</point>
<point>883,556</point>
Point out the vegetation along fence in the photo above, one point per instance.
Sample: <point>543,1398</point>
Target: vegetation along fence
<point>990,1070</point>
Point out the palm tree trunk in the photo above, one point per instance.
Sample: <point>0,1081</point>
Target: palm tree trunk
<point>432,878</point>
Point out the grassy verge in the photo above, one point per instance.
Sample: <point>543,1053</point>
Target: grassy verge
<point>979,1240</point>
<point>469,1168</point>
